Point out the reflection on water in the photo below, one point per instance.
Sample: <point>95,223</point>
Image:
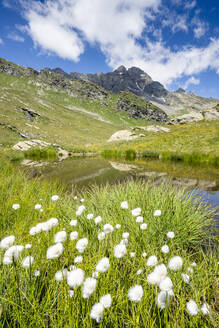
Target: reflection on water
<point>84,172</point>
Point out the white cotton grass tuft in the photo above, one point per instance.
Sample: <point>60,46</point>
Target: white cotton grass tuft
<point>185,277</point>
<point>144,254</point>
<point>165,249</point>
<point>75,278</point>
<point>139,219</point>
<point>143,226</point>
<point>75,197</point>
<point>60,237</point>
<point>103,265</point>
<point>71,293</point>
<point>170,234</point>
<point>44,226</point>
<point>136,211</point>
<point>97,312</point>
<point>82,200</point>
<point>37,273</point>
<point>132,254</point>
<point>118,226</point>
<point>89,287</point>
<point>27,261</point>
<point>175,263</point>
<point>78,259</point>
<point>162,299</point>
<point>28,246</point>
<point>192,307</point>
<point>139,272</point>
<point>80,210</point>
<point>95,274</point>
<point>135,293</point>
<point>125,235</point>
<point>73,223</point>
<point>153,278</point>
<point>159,273</point>
<point>106,301</point>
<point>190,270</point>
<point>7,242</point>
<point>205,308</point>
<point>120,251</point>
<point>38,206</point>
<point>55,198</point>
<point>152,260</point>
<point>193,264</point>
<point>98,219</point>
<point>16,206</point>
<point>73,235</point>
<point>101,236</point>
<point>166,284</point>
<point>157,213</point>
<point>54,251</point>
<point>124,205</point>
<point>108,228</point>
<point>90,216</point>
<point>61,274</point>
<point>12,254</point>
<point>81,245</point>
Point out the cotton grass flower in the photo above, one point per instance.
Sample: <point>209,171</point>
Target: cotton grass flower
<point>27,261</point>
<point>170,235</point>
<point>101,236</point>
<point>132,254</point>
<point>12,254</point>
<point>73,235</point>
<point>120,251</point>
<point>75,197</point>
<point>205,308</point>
<point>80,210</point>
<point>118,226</point>
<point>165,249</point>
<point>106,301</point>
<point>55,198</point>
<point>97,312</point>
<point>78,259</point>
<point>185,277</point>
<point>60,237</point>
<point>73,223</point>
<point>190,270</point>
<point>193,264</point>
<point>38,206</point>
<point>175,263</point>
<point>166,284</point>
<point>82,200</point>
<point>124,205</point>
<point>16,206</point>
<point>139,272</point>
<point>71,293</point>
<point>139,219</point>
<point>28,246</point>
<point>7,242</point>
<point>95,274</point>
<point>103,265</point>
<point>192,307</point>
<point>152,260</point>
<point>75,278</point>
<point>159,273</point>
<point>37,273</point>
<point>157,213</point>
<point>125,235</point>
<point>136,211</point>
<point>135,293</point>
<point>162,299</point>
<point>54,251</point>
<point>60,275</point>
<point>81,245</point>
<point>108,228</point>
<point>98,219</point>
<point>90,216</point>
<point>153,278</point>
<point>144,254</point>
<point>89,287</point>
<point>143,226</point>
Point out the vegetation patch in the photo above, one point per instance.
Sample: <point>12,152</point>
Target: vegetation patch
<point>117,256</point>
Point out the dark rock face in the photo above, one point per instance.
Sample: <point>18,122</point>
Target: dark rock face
<point>132,79</point>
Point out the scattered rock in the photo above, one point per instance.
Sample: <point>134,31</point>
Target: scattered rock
<point>122,135</point>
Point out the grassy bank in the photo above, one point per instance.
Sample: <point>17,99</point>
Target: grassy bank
<point>41,301</point>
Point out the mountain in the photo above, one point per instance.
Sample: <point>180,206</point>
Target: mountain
<point>141,84</point>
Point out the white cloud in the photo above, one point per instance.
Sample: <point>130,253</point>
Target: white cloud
<point>63,26</point>
<point>191,80</point>
<point>190,4</point>
<point>15,37</point>
<point>1,41</point>
<point>200,28</point>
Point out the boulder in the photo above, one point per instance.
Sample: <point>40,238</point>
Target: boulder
<point>122,135</point>
<point>187,118</point>
<point>211,115</point>
<point>25,145</point>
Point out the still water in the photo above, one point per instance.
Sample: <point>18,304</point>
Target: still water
<point>84,172</point>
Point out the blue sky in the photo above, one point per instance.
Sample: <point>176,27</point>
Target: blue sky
<point>175,41</point>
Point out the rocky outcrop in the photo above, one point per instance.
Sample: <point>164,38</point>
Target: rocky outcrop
<point>187,118</point>
<point>25,145</point>
<point>15,130</point>
<point>30,114</point>
<point>122,135</point>
<point>211,115</point>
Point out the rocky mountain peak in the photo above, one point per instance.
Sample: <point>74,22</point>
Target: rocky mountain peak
<point>120,69</point>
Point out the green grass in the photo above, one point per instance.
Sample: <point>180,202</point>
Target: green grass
<point>38,154</point>
<point>28,301</point>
